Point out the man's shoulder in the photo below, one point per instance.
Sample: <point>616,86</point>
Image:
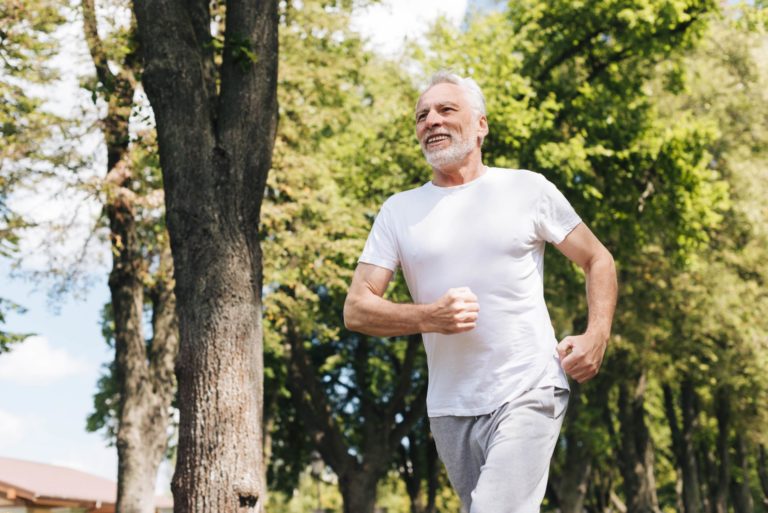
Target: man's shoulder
<point>405,197</point>
<point>517,175</point>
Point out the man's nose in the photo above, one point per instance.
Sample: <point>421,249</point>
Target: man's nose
<point>433,118</point>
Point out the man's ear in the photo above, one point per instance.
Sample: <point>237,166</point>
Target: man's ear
<point>483,128</point>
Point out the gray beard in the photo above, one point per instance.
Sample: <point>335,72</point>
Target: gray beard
<point>453,154</point>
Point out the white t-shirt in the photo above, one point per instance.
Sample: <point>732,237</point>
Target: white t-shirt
<point>489,235</point>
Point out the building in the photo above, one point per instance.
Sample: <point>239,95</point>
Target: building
<point>29,487</point>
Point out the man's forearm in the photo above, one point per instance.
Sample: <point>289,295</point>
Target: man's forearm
<point>380,317</point>
<point>601,295</point>
<point>454,312</point>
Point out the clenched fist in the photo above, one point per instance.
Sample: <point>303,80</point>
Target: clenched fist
<point>456,311</point>
<point>582,355</point>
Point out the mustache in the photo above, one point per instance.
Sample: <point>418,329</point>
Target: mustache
<point>436,132</point>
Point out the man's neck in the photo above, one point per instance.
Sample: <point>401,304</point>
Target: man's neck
<point>465,171</point>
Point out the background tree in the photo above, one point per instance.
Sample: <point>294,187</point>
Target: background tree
<point>141,279</point>
<point>720,396</point>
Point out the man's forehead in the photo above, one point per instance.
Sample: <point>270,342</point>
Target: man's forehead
<point>441,93</point>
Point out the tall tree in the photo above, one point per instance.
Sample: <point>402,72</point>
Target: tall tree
<point>716,304</point>
<point>141,279</point>
<point>216,124</point>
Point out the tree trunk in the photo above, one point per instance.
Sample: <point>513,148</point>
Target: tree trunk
<point>723,414</point>
<point>144,375</point>
<point>419,464</point>
<point>762,473</point>
<point>147,390</point>
<point>220,370</point>
<point>575,480</point>
<point>676,440</point>
<point>216,128</point>
<point>433,471</point>
<point>359,491</point>
<point>688,463</point>
<point>571,487</point>
<point>636,449</point>
<point>683,443</point>
<point>410,472</point>
<point>740,490</point>
<point>707,466</point>
<point>601,491</point>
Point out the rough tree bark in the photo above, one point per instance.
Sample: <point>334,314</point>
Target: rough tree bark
<point>381,433</point>
<point>216,127</point>
<point>636,448</point>
<point>144,372</point>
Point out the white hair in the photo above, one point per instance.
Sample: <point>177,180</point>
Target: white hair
<point>472,90</point>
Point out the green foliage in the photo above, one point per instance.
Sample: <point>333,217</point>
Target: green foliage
<point>718,304</point>
<point>310,495</point>
<point>597,96</point>
<point>581,92</point>
<point>106,403</point>
<point>6,338</point>
<point>242,53</point>
<point>336,101</point>
<point>26,44</point>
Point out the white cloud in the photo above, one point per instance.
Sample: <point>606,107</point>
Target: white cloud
<point>35,362</point>
<point>390,23</point>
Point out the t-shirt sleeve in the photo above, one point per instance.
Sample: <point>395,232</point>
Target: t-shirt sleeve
<point>556,217</point>
<point>381,247</point>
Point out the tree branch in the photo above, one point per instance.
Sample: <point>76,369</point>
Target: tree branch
<point>567,54</point>
<point>95,46</point>
<point>406,376</point>
<point>200,20</point>
<point>247,109</point>
<point>176,83</point>
<point>410,417</point>
<point>313,406</point>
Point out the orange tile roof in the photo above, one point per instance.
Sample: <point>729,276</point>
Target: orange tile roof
<point>41,480</point>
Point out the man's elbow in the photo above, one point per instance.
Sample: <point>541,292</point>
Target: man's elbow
<point>600,260</point>
<point>608,258</point>
<point>350,315</point>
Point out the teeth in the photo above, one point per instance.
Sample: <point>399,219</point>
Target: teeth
<point>436,138</point>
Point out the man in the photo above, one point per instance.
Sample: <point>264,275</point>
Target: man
<point>471,245</point>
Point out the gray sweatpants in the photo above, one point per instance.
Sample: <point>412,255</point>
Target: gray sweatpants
<point>499,462</point>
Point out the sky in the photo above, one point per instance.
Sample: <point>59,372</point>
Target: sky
<point>48,382</point>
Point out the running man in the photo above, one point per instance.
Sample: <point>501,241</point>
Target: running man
<point>471,246</point>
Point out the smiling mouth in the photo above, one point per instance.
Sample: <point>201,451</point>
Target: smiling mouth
<point>434,139</point>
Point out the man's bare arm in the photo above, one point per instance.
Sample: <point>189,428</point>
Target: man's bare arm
<point>582,355</point>
<point>366,311</point>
